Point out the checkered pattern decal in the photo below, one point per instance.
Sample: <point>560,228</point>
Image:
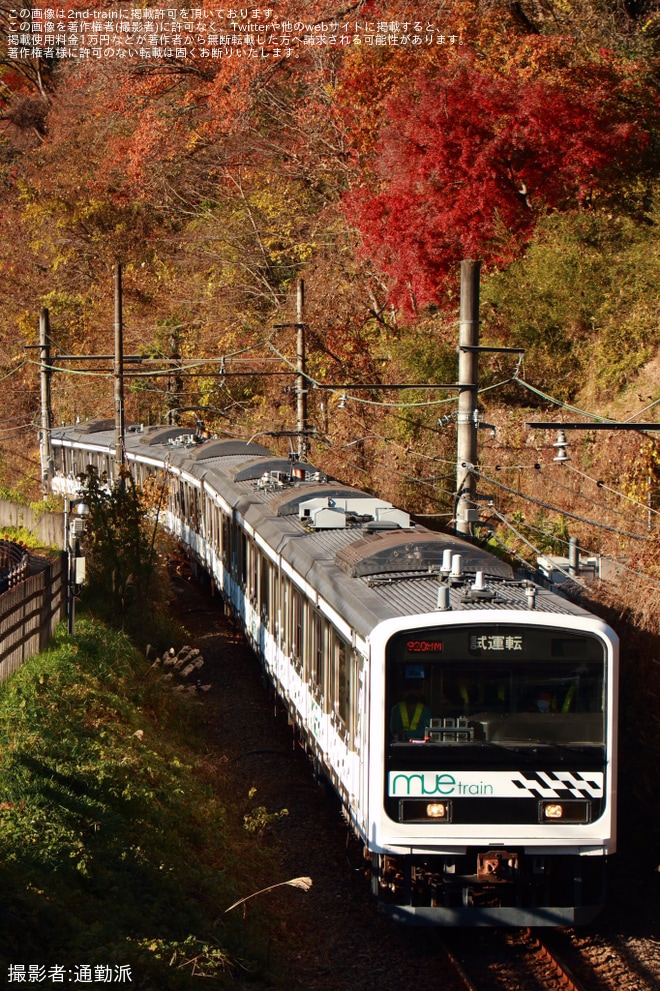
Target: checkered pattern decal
<point>559,784</point>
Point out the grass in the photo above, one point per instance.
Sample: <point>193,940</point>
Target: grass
<point>117,849</point>
<point>22,535</point>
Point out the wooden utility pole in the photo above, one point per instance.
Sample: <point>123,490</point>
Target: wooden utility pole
<point>120,450</point>
<point>45,372</point>
<point>468,377</point>
<point>301,380</point>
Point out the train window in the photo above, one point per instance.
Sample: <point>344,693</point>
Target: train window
<point>203,515</point>
<point>264,590</point>
<point>194,514</point>
<point>253,571</point>
<point>274,596</point>
<point>356,664</point>
<point>331,693</point>
<point>286,615</point>
<point>345,685</point>
<point>241,563</point>
<point>317,631</point>
<point>209,521</point>
<point>297,626</point>
<point>501,685</point>
<point>216,527</point>
<point>234,551</point>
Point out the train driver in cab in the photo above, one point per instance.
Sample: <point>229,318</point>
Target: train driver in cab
<point>411,716</point>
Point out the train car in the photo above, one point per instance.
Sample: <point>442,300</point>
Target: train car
<point>465,717</point>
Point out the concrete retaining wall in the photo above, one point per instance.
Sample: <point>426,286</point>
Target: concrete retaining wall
<point>48,528</point>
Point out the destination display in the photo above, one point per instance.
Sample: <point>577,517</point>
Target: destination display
<point>493,641</point>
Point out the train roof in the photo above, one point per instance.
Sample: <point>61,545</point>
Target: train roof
<point>367,559</point>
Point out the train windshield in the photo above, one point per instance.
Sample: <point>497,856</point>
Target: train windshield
<point>497,685</point>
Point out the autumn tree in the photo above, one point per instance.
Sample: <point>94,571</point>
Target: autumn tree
<point>120,550</point>
<point>218,182</point>
<point>469,160</point>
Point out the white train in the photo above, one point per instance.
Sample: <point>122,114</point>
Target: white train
<point>466,718</point>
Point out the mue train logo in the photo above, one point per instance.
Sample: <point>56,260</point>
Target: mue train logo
<point>496,784</point>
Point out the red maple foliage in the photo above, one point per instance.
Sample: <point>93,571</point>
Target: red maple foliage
<point>467,163</point>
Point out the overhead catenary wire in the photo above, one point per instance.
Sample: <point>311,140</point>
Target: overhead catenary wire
<point>643,410</point>
<point>201,362</point>
<point>177,364</point>
<point>538,468</point>
<point>562,405</point>
<point>16,429</point>
<point>106,373</point>
<point>549,536</point>
<point>539,465</point>
<point>71,371</point>
<point>15,419</point>
<point>558,509</point>
<point>13,371</point>
<point>638,574</point>
<point>375,463</point>
<point>509,551</point>
<point>603,557</point>
<point>585,498</point>
<point>597,417</point>
<point>186,365</point>
<point>555,538</point>
<point>403,475</point>
<point>376,387</point>
<point>529,544</point>
<point>607,488</point>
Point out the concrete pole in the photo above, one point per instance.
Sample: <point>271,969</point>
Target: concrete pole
<point>468,378</point>
<point>120,453</point>
<point>301,381</point>
<point>45,372</point>
<point>69,565</point>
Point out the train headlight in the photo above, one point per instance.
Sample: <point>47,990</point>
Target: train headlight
<point>572,811</point>
<point>419,810</point>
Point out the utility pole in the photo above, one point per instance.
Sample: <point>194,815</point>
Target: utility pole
<point>174,381</point>
<point>45,372</point>
<point>120,451</point>
<point>468,378</point>
<point>301,380</point>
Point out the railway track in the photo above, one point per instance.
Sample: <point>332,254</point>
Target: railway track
<point>511,960</point>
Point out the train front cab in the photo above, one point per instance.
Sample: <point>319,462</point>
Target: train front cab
<point>500,810</point>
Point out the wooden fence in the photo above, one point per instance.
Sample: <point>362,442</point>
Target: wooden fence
<point>30,611</point>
